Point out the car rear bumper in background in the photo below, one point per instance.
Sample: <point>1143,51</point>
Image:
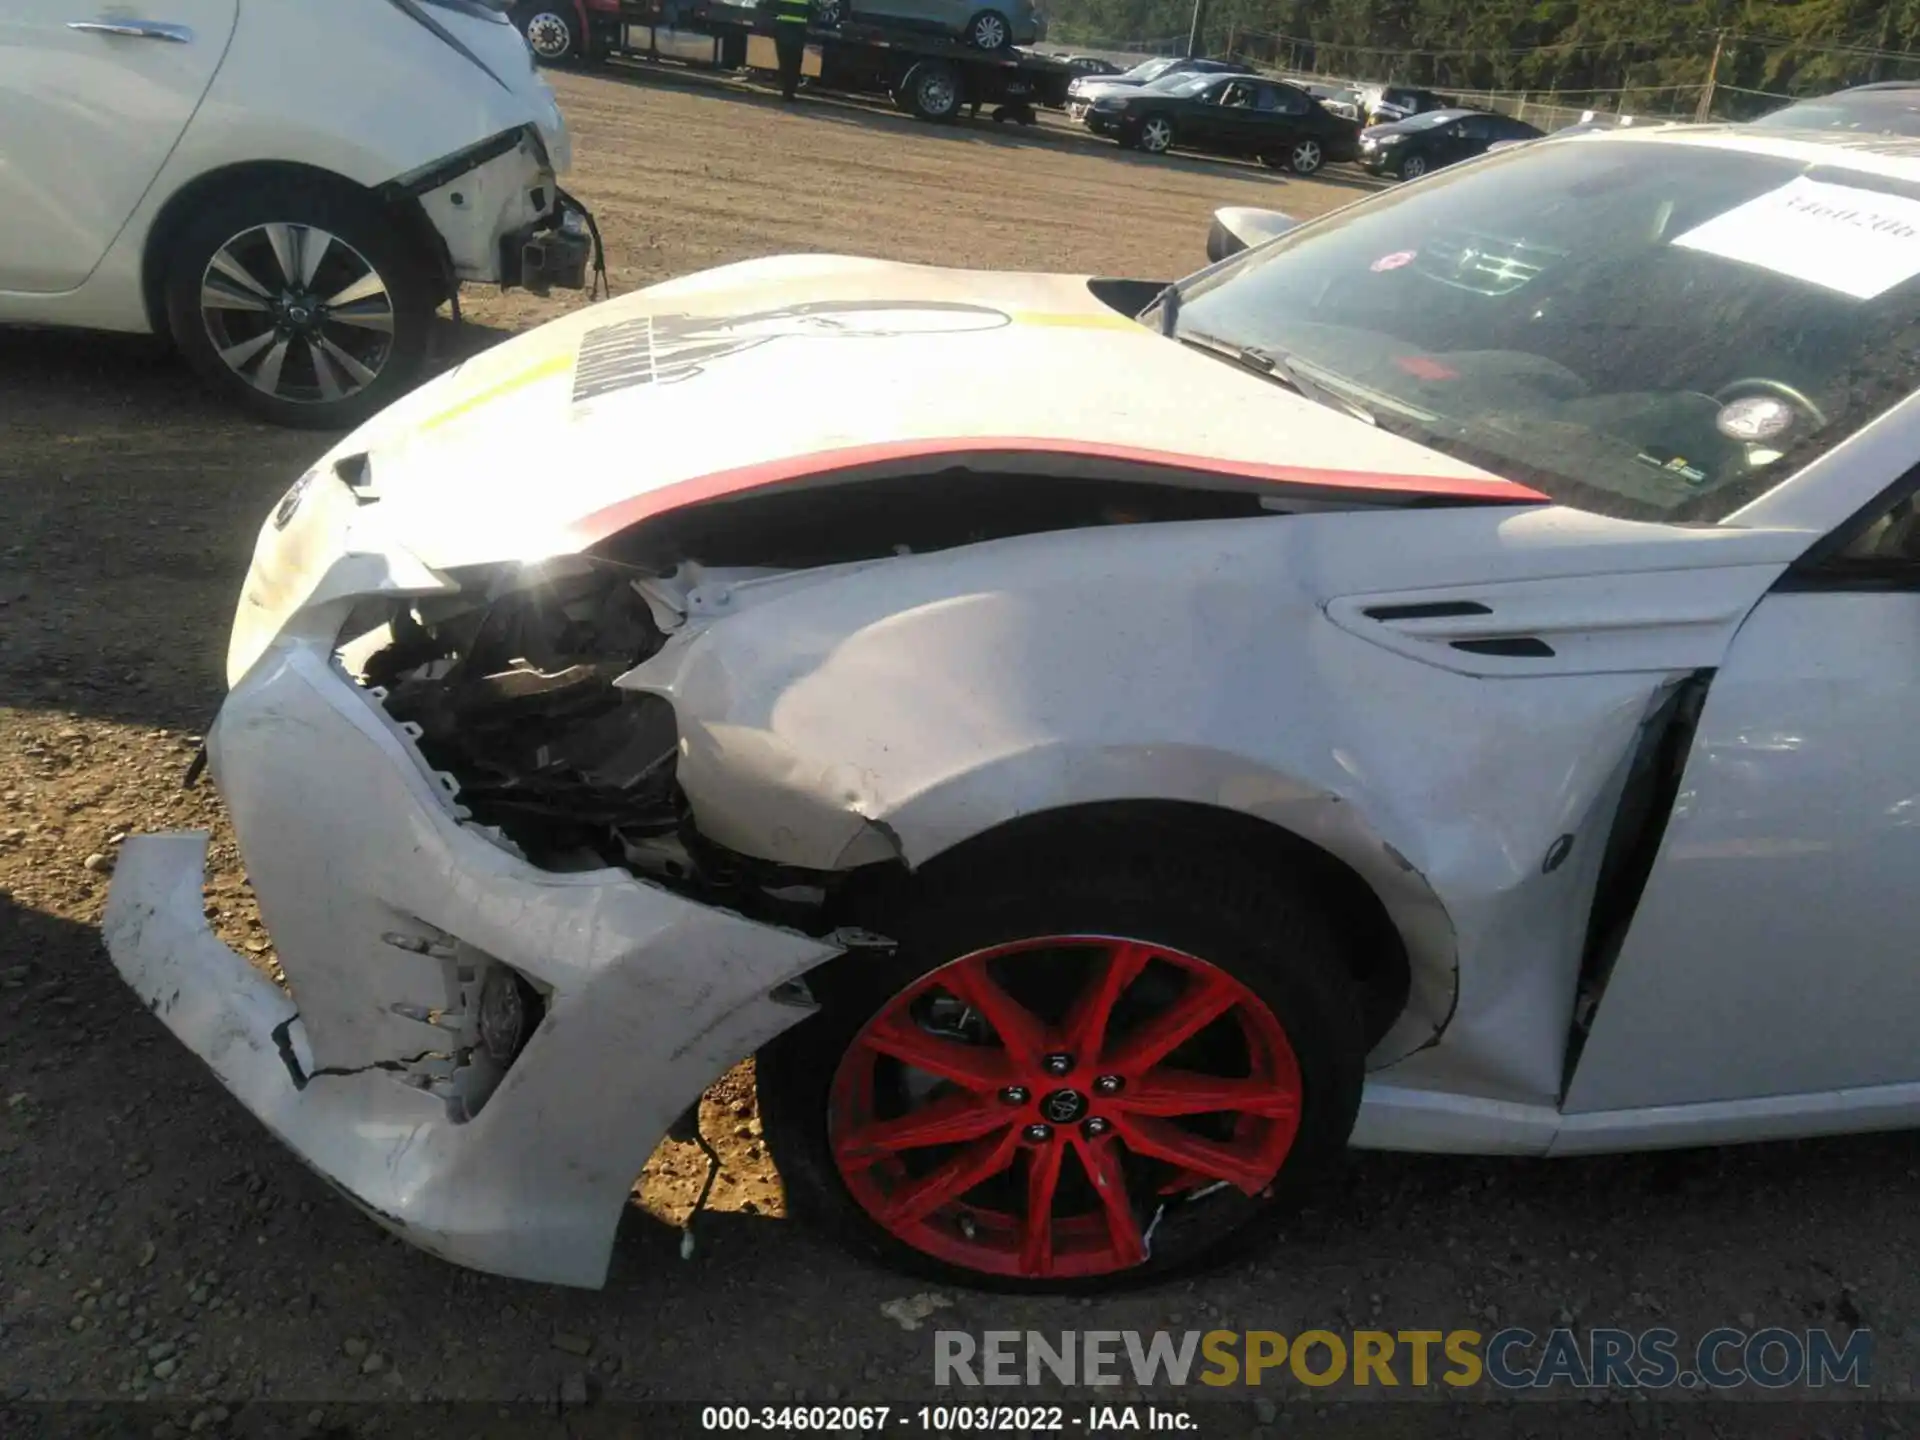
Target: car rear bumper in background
<point>489,202</point>
<point>393,921</point>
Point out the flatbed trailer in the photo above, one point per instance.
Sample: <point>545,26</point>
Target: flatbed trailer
<point>928,76</point>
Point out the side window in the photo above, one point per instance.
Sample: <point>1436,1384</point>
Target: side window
<point>1892,538</point>
<point>1477,127</point>
<point>1285,99</point>
<point>1879,552</point>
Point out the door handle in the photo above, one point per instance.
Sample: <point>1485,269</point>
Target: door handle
<point>135,29</point>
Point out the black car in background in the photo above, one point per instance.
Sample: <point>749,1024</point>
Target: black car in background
<point>1228,115</point>
<point>1410,148</point>
<point>1889,108</point>
<point>1082,88</point>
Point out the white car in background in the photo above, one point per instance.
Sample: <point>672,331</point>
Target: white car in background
<point>287,188</point>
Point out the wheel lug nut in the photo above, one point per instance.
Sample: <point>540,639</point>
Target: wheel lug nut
<point>1096,1126</point>
<point>1015,1095</point>
<point>1038,1134</point>
<point>1109,1084</point>
<point>1057,1064</point>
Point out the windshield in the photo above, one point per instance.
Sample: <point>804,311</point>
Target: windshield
<point>1183,84</point>
<point>1651,333</point>
<point>1148,70</point>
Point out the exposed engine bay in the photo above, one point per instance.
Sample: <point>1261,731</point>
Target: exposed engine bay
<point>509,684</point>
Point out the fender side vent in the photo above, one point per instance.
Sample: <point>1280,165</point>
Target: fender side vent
<point>1436,610</point>
<point>1520,647</point>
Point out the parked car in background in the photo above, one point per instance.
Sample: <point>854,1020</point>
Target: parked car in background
<point>1889,108</point>
<point>1278,123</point>
<point>992,25</point>
<point>1341,100</point>
<point>1085,89</point>
<point>1093,66</point>
<point>291,227</point>
<point>1410,148</point>
<point>1383,104</point>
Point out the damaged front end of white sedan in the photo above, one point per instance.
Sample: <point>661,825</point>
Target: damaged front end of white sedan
<point>1092,823</point>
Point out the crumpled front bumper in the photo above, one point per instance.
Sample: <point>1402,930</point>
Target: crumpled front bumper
<point>385,909</point>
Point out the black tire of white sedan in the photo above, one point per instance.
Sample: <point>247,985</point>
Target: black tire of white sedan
<point>1123,1072</point>
<point>303,301</point>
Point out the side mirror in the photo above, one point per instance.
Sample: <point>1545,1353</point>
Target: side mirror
<point>1237,227</point>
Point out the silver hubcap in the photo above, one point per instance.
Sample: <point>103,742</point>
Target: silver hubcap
<point>936,94</point>
<point>297,313</point>
<point>1306,156</point>
<point>1414,168</point>
<point>549,35</point>
<point>989,33</point>
<point>1157,136</point>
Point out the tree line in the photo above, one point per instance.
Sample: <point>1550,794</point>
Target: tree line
<point>1649,55</point>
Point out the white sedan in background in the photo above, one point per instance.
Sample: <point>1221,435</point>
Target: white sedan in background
<point>1441,680</point>
<point>287,189</point>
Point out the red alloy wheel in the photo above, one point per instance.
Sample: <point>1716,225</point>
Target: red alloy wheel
<point>1029,1132</point>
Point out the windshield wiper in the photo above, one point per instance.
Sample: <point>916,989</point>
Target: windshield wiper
<point>1278,368</point>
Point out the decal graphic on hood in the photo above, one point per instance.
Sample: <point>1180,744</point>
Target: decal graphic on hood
<point>660,349</point>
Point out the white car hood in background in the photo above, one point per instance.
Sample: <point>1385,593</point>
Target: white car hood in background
<point>779,370</point>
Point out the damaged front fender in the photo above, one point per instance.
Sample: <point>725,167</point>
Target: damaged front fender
<point>909,707</point>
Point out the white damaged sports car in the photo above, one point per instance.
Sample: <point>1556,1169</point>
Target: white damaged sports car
<point>1444,679</point>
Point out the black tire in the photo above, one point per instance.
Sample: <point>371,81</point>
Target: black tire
<point>990,30</point>
<point>551,29</point>
<point>371,238</point>
<point>829,14</point>
<point>1413,167</point>
<point>1156,134</point>
<point>1305,157</point>
<point>931,90</point>
<point>1260,930</point>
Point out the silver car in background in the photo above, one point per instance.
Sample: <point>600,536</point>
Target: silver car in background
<point>983,24</point>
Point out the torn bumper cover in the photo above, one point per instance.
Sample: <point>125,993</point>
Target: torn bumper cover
<point>501,213</point>
<point>414,945</point>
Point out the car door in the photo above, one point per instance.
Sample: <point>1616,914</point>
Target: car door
<point>1240,121</point>
<point>1773,950</point>
<point>94,94</point>
<point>1282,115</point>
<point>1209,119</point>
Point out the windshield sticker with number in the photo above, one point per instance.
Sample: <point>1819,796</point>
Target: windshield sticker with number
<point>1840,237</point>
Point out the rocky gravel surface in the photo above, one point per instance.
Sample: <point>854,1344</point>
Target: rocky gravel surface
<point>162,1257</point>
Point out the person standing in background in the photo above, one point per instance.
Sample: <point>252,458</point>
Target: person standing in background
<point>790,19</point>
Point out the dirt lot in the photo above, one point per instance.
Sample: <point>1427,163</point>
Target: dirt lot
<point>156,1243</point>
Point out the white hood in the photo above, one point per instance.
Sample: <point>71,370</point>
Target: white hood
<point>787,369</point>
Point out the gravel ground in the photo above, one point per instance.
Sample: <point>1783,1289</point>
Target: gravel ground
<point>156,1245</point>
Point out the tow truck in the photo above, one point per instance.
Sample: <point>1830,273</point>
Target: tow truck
<point>929,77</point>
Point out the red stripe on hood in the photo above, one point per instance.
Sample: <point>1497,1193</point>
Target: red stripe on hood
<point>772,473</point>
